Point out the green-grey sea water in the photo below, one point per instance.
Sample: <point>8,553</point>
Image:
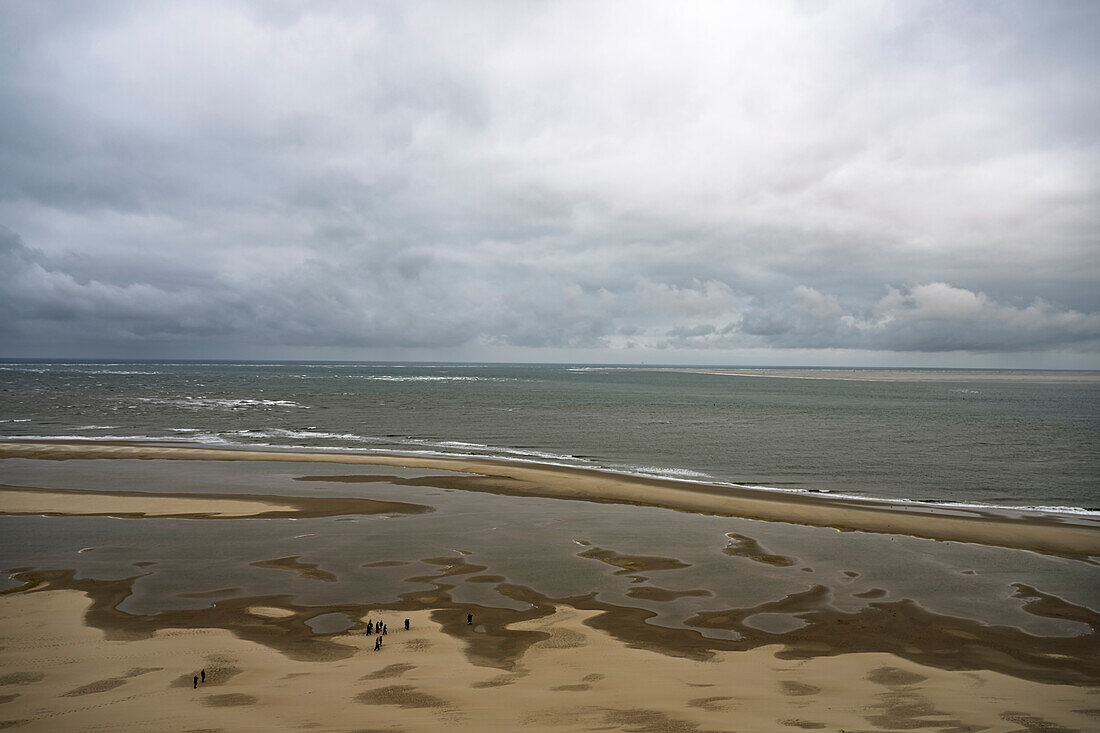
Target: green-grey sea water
<point>1008,443</point>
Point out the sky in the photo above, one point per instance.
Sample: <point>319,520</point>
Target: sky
<point>765,183</point>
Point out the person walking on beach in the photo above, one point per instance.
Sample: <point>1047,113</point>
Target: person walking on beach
<point>370,627</point>
<point>196,682</point>
<point>203,673</point>
<point>469,619</point>
<point>383,629</point>
<point>406,624</point>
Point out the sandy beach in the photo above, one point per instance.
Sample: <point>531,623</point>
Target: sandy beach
<point>1066,535</point>
<point>59,674</point>
<point>110,633</point>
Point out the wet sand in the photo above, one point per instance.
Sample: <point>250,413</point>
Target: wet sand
<point>64,670</point>
<point>1056,534</point>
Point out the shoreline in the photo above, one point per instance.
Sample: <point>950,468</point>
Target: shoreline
<point>1066,535</point>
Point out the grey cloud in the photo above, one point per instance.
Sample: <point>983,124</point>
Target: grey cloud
<point>932,317</point>
<point>460,179</point>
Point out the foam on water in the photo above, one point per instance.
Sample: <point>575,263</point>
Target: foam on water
<point>217,403</point>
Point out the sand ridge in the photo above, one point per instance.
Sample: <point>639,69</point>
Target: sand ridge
<point>20,500</point>
<point>1062,535</point>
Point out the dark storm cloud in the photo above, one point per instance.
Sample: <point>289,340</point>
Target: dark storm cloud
<point>477,179</point>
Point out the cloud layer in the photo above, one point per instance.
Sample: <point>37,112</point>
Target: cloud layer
<point>593,181</point>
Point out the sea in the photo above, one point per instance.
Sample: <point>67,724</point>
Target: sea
<point>1018,440</point>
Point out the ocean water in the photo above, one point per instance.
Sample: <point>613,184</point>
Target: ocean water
<point>972,440</point>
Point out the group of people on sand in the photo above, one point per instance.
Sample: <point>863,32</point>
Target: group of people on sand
<point>377,630</point>
<point>380,629</point>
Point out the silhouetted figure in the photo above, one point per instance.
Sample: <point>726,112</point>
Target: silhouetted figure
<point>377,643</point>
<point>469,619</point>
<point>196,682</point>
<point>406,624</point>
<point>383,629</point>
<point>203,673</point>
<point>370,628</point>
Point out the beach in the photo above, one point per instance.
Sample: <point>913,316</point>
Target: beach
<point>571,678</point>
<point>576,623</point>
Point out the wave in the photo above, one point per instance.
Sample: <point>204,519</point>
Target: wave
<point>54,369</point>
<point>426,378</point>
<point>285,439</point>
<point>947,504</point>
<point>216,403</point>
<point>205,438</point>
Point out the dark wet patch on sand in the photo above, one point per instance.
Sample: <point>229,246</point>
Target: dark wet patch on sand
<point>20,678</point>
<point>904,709</point>
<point>402,696</point>
<point>663,595</point>
<point>388,672</point>
<point>486,579</point>
<point>632,563</point>
<point>572,688</point>
<point>1033,723</point>
<point>305,569</point>
<point>741,546</point>
<point>902,628</point>
<point>894,677</point>
<point>229,700</point>
<point>219,671</point>
<point>710,704</point>
<point>500,680</point>
<point>1042,604</point>
<point>95,687</point>
<point>562,638</point>
<point>139,671</point>
<point>384,564</point>
<point>797,689</point>
<point>799,723</point>
<point>8,698</point>
<point>647,721</point>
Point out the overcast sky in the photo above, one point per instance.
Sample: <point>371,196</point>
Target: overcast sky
<point>824,183</point>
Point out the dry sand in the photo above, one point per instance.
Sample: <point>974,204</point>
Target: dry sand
<point>1063,535</point>
<point>58,674</point>
<point>96,503</point>
<point>92,503</point>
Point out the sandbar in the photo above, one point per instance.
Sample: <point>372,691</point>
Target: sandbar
<point>1066,535</point>
<point>23,500</point>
